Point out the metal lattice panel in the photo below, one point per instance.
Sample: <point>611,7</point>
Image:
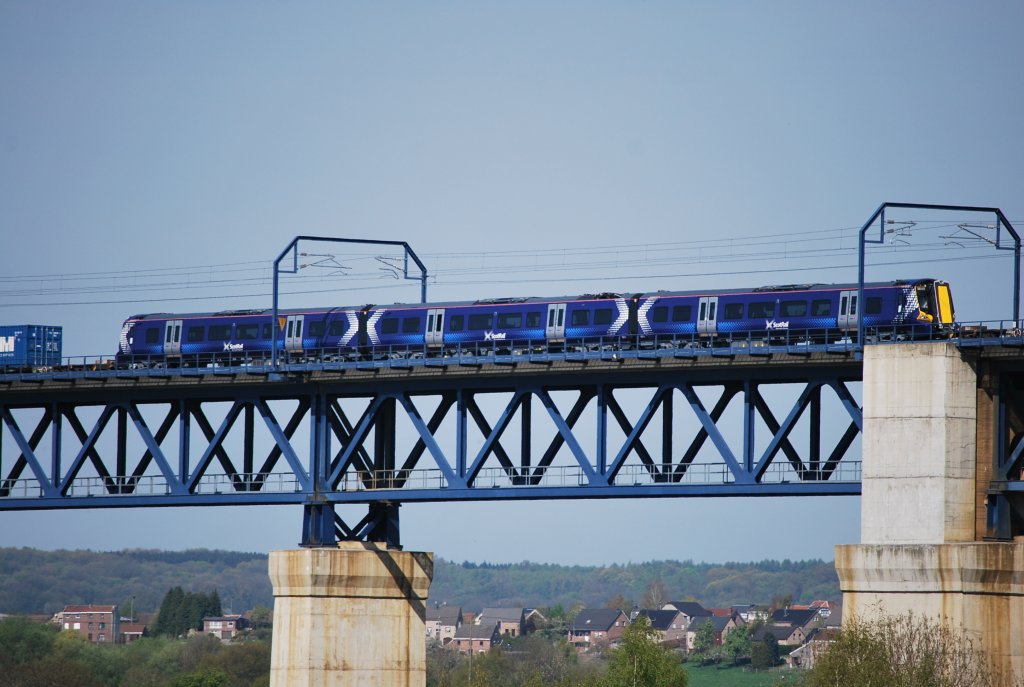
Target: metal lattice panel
<point>491,434</point>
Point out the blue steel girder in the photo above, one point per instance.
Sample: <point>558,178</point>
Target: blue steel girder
<point>465,448</point>
<point>1005,498</point>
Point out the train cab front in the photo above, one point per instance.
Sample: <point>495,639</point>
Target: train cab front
<point>935,307</point>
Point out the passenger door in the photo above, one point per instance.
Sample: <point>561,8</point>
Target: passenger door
<point>293,333</point>
<point>848,310</point>
<point>707,316</point>
<point>555,330</point>
<point>172,338</point>
<point>434,334</point>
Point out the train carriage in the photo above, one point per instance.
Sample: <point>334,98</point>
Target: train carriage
<point>798,313</point>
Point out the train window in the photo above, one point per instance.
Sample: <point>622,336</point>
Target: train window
<point>822,308</point>
<point>170,331</point>
<point>267,331</point>
<point>456,323</point>
<point>389,326</point>
<point>247,331</point>
<point>873,305</point>
<point>194,334</point>
<point>580,318</point>
<point>337,328</point>
<point>510,320</point>
<point>733,311</point>
<point>659,314</point>
<point>410,325</point>
<point>317,328</point>
<point>152,335</point>
<point>533,319</point>
<point>220,332</point>
<point>481,321</point>
<point>603,316</point>
<point>793,309</point>
<point>761,310</point>
<point>924,298</point>
<point>681,313</point>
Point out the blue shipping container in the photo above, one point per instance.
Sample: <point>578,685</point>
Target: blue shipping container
<point>30,345</point>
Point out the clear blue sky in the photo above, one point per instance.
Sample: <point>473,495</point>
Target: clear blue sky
<point>142,136</point>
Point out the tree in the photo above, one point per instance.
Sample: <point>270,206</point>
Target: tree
<point>197,648</point>
<point>181,612</point>
<point>619,602</point>
<point>908,650</point>
<point>737,644</point>
<point>764,654</point>
<point>242,663</point>
<point>641,660</point>
<point>704,642</point>
<point>168,619</point>
<point>655,596</point>
<point>780,601</point>
<point>262,619</point>
<point>202,678</point>
<point>760,657</point>
<point>442,663</point>
<point>23,640</point>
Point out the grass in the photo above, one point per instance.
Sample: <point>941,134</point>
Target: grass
<point>721,676</point>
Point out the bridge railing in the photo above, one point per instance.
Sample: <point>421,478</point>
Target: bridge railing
<point>697,474</point>
<point>795,342</point>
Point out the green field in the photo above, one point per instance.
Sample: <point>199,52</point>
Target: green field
<point>714,676</point>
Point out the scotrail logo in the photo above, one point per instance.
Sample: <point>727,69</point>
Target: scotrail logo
<point>6,344</point>
<point>495,336</point>
<point>772,324</point>
<point>233,346</point>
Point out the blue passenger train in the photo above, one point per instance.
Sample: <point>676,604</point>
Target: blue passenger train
<point>794,313</point>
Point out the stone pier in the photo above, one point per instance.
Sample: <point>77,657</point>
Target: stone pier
<point>923,506</point>
<point>349,616</point>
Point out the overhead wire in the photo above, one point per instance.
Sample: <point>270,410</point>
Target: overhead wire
<point>495,264</point>
<point>552,280</point>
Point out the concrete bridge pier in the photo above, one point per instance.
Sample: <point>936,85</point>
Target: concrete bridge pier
<point>927,463</point>
<point>351,615</point>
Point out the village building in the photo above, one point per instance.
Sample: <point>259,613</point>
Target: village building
<point>442,622</point>
<point>99,624</point>
<point>670,625</point>
<point>478,639</point>
<point>512,622</point>
<point>131,632</point>
<point>596,627</point>
<point>224,627</point>
<point>813,648</point>
<point>689,609</point>
<point>722,625</point>
<point>785,635</point>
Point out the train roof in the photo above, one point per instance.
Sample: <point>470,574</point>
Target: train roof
<point>775,288</point>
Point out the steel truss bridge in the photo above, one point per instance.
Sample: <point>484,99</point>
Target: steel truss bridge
<point>551,426</point>
<point>656,423</point>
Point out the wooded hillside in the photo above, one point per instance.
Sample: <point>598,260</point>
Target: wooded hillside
<point>33,581</point>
